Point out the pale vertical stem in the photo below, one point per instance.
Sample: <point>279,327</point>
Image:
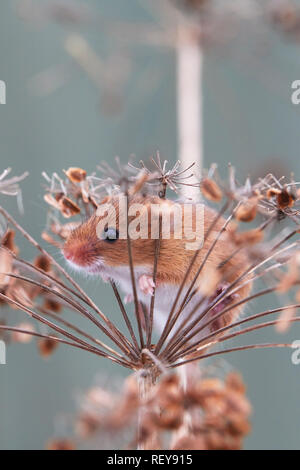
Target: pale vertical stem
<point>189,102</point>
<point>146,381</point>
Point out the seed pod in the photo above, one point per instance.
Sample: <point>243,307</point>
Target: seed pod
<point>68,207</point>
<point>246,212</point>
<point>47,346</point>
<point>8,241</point>
<point>6,265</point>
<point>87,423</point>
<point>52,305</point>
<point>49,199</point>
<point>76,175</point>
<point>59,196</point>
<point>43,263</point>
<point>284,321</point>
<point>272,192</point>
<point>235,382</point>
<point>61,202</point>
<point>211,190</point>
<point>285,199</point>
<point>251,237</point>
<point>289,278</point>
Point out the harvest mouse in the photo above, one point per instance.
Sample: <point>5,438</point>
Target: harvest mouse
<point>107,256</point>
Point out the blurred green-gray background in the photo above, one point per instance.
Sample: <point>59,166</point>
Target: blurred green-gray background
<point>249,120</point>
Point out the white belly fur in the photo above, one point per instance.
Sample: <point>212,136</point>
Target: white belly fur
<point>164,295</point>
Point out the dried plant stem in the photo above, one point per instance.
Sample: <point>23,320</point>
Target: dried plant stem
<point>189,101</point>
<point>133,283</point>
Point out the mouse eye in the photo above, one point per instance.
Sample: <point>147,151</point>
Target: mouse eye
<point>110,234</point>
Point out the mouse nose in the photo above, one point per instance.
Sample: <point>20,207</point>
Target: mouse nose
<point>67,254</point>
<point>77,252</point>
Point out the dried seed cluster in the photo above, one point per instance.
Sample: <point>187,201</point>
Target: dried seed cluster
<point>209,414</point>
<point>43,289</point>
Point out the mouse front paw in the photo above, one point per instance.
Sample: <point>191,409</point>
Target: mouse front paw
<point>146,284</point>
<point>128,298</point>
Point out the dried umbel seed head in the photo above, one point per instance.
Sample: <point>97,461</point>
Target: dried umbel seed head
<point>246,212</point>
<point>169,418</point>
<point>76,175</point>
<point>211,190</point>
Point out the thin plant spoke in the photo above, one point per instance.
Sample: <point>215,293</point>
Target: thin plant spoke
<point>225,351</point>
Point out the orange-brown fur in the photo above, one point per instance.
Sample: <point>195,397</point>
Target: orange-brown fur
<point>174,259</point>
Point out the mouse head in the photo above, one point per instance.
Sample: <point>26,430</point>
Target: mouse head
<point>101,241</point>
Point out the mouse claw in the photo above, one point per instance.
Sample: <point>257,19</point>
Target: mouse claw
<point>128,298</point>
<point>146,284</point>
